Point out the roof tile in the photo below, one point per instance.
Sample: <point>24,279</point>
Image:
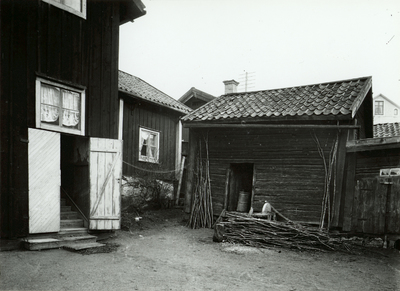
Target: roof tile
<point>386,130</point>
<point>138,88</point>
<point>332,98</point>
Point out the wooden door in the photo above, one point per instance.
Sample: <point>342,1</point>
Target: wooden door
<point>44,181</point>
<point>370,206</point>
<point>393,207</point>
<point>105,170</point>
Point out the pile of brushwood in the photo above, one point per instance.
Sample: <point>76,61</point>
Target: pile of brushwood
<point>244,229</point>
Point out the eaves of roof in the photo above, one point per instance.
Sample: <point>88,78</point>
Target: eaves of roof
<point>130,10</point>
<point>137,88</point>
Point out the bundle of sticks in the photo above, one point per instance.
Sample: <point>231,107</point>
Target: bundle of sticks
<point>201,215</point>
<point>241,228</point>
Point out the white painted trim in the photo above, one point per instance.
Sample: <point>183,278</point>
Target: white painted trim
<point>121,119</point>
<point>178,148</point>
<point>62,6</point>
<point>58,128</point>
<point>155,160</point>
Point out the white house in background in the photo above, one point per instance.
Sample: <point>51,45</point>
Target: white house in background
<point>385,110</point>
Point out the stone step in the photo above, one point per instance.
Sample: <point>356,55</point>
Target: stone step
<point>83,246</point>
<point>34,244</point>
<point>69,215</point>
<point>72,230</point>
<point>65,208</point>
<point>71,223</point>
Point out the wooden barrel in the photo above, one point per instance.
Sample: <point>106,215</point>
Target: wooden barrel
<point>243,202</point>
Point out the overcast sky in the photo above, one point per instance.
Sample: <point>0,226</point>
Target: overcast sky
<point>181,44</point>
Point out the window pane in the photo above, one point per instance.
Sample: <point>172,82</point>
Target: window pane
<point>71,100</point>
<point>70,118</point>
<point>50,95</point>
<point>152,140</point>
<point>70,104</point>
<point>152,152</point>
<point>50,99</point>
<point>148,149</point>
<point>378,107</point>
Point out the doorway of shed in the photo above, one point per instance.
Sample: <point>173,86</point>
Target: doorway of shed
<point>240,180</point>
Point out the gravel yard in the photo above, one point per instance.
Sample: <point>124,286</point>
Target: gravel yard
<point>161,253</point>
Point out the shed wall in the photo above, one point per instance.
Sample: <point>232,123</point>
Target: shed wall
<point>289,172</point>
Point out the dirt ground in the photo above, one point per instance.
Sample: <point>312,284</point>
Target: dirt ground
<point>161,253</point>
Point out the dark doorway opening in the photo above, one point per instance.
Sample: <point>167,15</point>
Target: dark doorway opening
<point>240,180</point>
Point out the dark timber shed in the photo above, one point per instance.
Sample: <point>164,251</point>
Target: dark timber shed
<point>152,130</point>
<point>285,146</point>
<point>372,202</point>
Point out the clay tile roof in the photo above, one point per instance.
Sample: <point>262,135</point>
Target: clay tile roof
<point>138,88</point>
<point>386,130</point>
<point>326,99</point>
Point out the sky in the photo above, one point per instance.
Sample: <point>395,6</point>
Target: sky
<point>181,44</point>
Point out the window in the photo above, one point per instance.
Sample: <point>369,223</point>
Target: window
<point>396,112</point>
<point>149,145</point>
<point>77,7</point>
<point>378,107</point>
<point>60,107</point>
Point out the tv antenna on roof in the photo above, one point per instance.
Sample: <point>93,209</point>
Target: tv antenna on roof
<point>247,81</point>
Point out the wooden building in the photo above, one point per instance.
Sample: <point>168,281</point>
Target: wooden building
<point>372,202</point>
<point>194,98</point>
<point>152,130</point>
<point>60,112</point>
<point>285,146</point>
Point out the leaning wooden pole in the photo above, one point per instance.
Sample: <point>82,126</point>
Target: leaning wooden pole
<point>193,147</point>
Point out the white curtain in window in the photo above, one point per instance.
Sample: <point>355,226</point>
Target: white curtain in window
<point>71,102</point>
<point>144,142</point>
<point>50,107</point>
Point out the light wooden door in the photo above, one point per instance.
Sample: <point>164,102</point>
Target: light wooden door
<point>44,181</point>
<point>105,169</point>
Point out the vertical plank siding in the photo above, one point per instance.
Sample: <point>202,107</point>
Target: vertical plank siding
<point>38,39</point>
<point>14,132</point>
<point>371,206</point>
<point>289,170</point>
<point>151,117</point>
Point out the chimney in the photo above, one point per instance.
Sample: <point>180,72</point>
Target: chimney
<point>230,86</point>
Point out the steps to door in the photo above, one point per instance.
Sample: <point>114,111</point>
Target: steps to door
<point>72,235</point>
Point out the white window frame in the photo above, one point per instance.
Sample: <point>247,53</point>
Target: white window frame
<point>61,4</point>
<point>146,158</point>
<point>58,128</point>
<point>379,104</point>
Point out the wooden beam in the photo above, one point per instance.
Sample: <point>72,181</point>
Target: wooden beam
<point>226,193</point>
<point>249,125</point>
<point>369,144</point>
<point>340,174</point>
<point>193,147</point>
<point>178,192</point>
<point>349,193</point>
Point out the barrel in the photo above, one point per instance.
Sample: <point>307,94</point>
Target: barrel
<point>243,202</point>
